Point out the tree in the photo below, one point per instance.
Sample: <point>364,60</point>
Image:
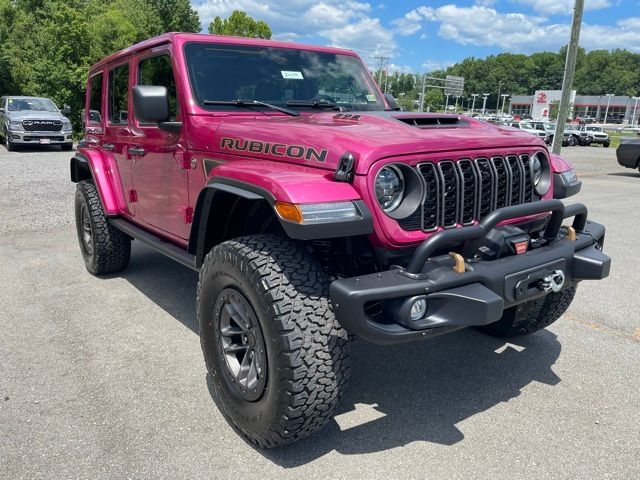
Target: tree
<point>239,24</point>
<point>177,16</point>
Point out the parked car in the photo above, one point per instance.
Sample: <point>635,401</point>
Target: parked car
<point>582,137</point>
<point>529,128</point>
<point>597,133</point>
<point>312,211</point>
<point>550,129</point>
<point>628,153</point>
<point>33,121</point>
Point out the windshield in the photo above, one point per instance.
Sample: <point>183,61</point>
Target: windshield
<point>280,76</point>
<point>526,126</point>
<point>594,129</point>
<point>35,104</point>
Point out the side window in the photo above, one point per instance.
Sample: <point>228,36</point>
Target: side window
<point>95,100</point>
<point>119,94</point>
<point>159,72</point>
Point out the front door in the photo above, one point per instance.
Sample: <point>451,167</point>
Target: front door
<point>161,177</point>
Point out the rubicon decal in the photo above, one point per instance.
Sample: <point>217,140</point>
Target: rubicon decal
<point>276,149</point>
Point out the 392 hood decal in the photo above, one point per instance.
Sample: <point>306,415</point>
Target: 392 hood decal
<point>275,149</point>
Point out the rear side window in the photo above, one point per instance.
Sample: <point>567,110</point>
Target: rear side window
<point>95,100</point>
<point>159,72</point>
<point>119,94</point>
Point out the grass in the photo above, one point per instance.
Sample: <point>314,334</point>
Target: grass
<point>617,136</point>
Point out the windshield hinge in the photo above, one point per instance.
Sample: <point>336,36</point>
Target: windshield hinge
<point>344,171</point>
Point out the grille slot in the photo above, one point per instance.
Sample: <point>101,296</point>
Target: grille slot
<point>460,192</point>
<point>42,125</point>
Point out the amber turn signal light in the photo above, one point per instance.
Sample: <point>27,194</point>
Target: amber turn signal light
<point>289,211</point>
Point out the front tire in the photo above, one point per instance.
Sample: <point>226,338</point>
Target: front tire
<point>11,147</point>
<point>105,249</point>
<point>529,317</point>
<point>606,144</point>
<point>276,357</point>
<point>66,147</point>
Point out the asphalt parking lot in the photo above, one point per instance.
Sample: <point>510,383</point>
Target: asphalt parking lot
<point>104,378</point>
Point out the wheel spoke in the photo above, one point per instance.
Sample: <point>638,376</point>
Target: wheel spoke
<point>231,331</point>
<point>234,348</point>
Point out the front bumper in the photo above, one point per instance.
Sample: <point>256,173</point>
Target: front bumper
<point>374,307</point>
<point>40,138</point>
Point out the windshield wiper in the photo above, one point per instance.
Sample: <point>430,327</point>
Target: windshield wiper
<point>315,104</point>
<point>251,103</point>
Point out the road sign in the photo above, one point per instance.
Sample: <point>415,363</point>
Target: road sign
<point>453,85</point>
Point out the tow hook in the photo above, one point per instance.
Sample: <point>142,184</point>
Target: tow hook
<point>552,282</point>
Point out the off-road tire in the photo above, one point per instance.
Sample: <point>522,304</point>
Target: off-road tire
<point>606,144</point>
<point>110,248</point>
<point>66,147</point>
<point>307,351</point>
<point>529,317</point>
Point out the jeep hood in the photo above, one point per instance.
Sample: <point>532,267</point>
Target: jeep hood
<point>320,139</point>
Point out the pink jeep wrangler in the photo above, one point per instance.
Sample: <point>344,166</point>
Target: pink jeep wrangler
<point>314,211</point>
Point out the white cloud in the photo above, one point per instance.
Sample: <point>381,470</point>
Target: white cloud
<point>431,65</point>
<point>518,32</point>
<point>565,7</point>
<point>342,24</point>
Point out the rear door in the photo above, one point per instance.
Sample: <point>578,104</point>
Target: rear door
<point>117,133</point>
<point>161,176</point>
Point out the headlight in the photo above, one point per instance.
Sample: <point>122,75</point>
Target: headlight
<point>66,125</point>
<point>540,173</point>
<point>15,124</point>
<point>389,186</point>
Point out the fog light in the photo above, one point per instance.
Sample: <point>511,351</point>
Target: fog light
<point>418,309</point>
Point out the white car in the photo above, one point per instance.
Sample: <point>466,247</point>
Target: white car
<point>530,128</point>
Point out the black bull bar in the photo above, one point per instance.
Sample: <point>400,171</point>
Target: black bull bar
<point>478,294</point>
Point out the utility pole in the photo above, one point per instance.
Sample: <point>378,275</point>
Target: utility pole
<point>446,105</point>
<point>381,64</point>
<point>484,102</point>
<point>455,109</point>
<point>567,81</point>
<point>473,102</point>
<point>498,97</point>
<point>635,111</point>
<point>424,82</point>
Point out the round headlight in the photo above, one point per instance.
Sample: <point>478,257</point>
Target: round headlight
<point>389,186</point>
<point>540,173</point>
<point>536,170</point>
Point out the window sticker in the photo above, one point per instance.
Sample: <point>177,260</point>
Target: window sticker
<point>291,75</point>
<point>371,98</point>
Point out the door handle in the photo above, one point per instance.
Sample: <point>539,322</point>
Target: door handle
<point>137,151</point>
<point>109,147</point>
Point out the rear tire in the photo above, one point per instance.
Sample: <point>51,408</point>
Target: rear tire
<point>267,291</point>
<point>529,317</point>
<point>105,249</point>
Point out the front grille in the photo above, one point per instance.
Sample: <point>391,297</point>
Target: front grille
<point>42,125</point>
<point>467,190</point>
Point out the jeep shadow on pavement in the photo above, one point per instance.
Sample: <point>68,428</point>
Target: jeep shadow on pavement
<point>313,211</point>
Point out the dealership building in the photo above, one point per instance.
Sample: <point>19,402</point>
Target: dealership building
<point>618,108</point>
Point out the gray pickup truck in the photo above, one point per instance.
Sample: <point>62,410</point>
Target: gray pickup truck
<point>34,121</point>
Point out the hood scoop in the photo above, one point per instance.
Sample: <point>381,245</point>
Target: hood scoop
<point>433,121</point>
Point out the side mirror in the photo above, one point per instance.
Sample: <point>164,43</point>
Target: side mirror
<point>150,103</point>
<point>66,110</point>
<point>393,105</point>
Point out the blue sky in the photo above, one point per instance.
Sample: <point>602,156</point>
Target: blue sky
<point>418,35</point>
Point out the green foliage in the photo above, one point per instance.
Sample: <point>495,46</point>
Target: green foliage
<point>48,46</point>
<point>239,24</point>
<point>177,15</point>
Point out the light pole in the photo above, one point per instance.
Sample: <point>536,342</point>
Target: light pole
<point>498,97</point>
<point>455,109</point>
<point>484,102</point>
<point>606,112</point>
<point>424,82</point>
<point>635,110</point>
<point>446,105</point>
<point>504,99</point>
<point>473,102</point>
